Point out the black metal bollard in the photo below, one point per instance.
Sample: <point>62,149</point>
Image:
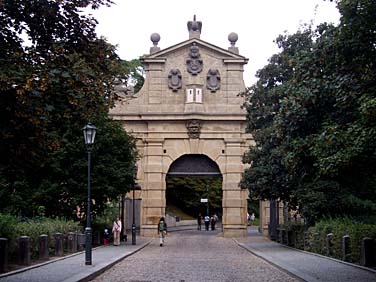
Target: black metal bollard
<point>59,249</point>
<point>43,247</point>
<point>3,255</point>
<point>346,248</point>
<point>368,252</point>
<point>24,250</point>
<point>80,241</point>
<point>329,244</point>
<point>72,242</point>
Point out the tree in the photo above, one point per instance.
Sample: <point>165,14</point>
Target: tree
<point>186,193</point>
<point>315,150</point>
<point>55,76</point>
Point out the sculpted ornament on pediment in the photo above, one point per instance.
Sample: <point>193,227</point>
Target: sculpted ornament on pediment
<point>213,80</point>
<point>174,79</point>
<point>194,62</point>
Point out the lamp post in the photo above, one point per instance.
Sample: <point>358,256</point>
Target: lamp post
<point>135,187</point>
<point>207,196</point>
<point>89,134</point>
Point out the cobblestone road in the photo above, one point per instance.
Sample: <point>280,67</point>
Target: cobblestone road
<point>194,256</point>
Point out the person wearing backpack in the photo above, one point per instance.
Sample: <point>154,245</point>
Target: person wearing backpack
<point>162,230</point>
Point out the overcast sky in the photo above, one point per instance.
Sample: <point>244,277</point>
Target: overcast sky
<point>129,24</point>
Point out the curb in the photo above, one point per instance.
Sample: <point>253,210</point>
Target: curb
<point>106,267</point>
<point>268,261</point>
<point>333,259</point>
<point>9,273</point>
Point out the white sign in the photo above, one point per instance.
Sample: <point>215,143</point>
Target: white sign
<point>204,200</point>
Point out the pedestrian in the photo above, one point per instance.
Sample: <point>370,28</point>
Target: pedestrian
<point>212,223</point>
<point>162,230</point>
<point>207,222</point>
<point>253,217</point>
<point>215,219</point>
<point>106,236</point>
<point>116,229</point>
<point>199,221</point>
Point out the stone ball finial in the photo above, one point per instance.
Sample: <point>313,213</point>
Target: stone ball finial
<point>155,37</point>
<point>232,37</point>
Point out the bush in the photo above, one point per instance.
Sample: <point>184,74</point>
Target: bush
<point>339,227</point>
<point>12,227</point>
<point>295,232</point>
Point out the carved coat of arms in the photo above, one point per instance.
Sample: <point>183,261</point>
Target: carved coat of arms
<point>174,79</point>
<point>213,80</point>
<point>194,62</point>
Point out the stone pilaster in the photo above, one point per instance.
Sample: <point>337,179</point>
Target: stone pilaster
<point>153,193</point>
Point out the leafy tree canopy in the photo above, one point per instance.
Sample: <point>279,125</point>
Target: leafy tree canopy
<point>187,192</point>
<point>312,114</point>
<point>55,76</point>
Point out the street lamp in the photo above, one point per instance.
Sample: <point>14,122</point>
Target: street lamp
<point>89,134</point>
<point>207,202</point>
<point>135,187</point>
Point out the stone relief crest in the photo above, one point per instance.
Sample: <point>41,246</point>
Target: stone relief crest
<point>194,62</point>
<point>194,128</point>
<point>174,79</point>
<point>122,89</point>
<point>213,80</point>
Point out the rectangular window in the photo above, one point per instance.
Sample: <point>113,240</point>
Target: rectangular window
<point>198,95</point>
<point>190,97</point>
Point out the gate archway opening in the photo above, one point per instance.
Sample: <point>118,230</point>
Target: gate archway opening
<point>193,186</point>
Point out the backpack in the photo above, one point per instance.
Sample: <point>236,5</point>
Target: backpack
<point>161,226</point>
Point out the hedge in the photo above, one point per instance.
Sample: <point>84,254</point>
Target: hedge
<point>316,236</point>
<point>12,227</point>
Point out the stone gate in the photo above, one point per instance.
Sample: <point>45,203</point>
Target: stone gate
<point>189,105</point>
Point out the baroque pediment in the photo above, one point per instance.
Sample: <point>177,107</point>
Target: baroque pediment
<point>219,52</point>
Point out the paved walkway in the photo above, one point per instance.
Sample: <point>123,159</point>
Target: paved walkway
<point>304,265</point>
<point>72,268</point>
<point>194,256</point>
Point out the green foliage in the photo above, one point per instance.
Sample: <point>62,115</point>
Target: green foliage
<point>312,116</point>
<point>254,207</point>
<point>12,227</point>
<point>186,193</point>
<point>106,219</point>
<point>339,227</point>
<point>55,77</point>
<point>134,74</point>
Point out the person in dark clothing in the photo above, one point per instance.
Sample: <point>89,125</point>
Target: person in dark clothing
<point>199,221</point>
<point>162,230</point>
<point>212,223</point>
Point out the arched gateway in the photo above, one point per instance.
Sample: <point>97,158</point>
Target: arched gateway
<point>188,108</point>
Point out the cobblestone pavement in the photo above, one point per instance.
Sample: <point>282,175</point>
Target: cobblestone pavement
<point>194,256</point>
